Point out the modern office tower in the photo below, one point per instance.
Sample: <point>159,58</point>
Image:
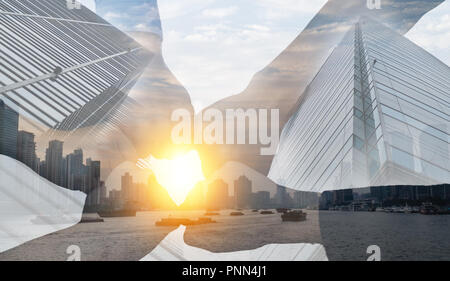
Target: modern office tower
<point>438,193</point>
<point>242,192</point>
<point>93,190</point>
<point>282,198</point>
<point>115,198</point>
<point>127,186</point>
<point>377,113</point>
<point>76,178</point>
<point>37,165</point>
<point>217,195</point>
<point>103,192</point>
<point>43,169</point>
<point>304,199</point>
<point>26,149</point>
<point>262,199</point>
<point>64,68</point>
<point>54,162</point>
<point>342,197</point>
<point>9,122</point>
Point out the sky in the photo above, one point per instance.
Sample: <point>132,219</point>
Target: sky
<point>214,47</point>
<point>433,32</point>
<point>131,15</point>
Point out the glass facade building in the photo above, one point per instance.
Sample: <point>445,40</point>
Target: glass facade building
<point>9,122</point>
<point>64,68</point>
<point>377,113</point>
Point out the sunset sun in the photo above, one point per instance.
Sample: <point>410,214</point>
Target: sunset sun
<point>178,175</point>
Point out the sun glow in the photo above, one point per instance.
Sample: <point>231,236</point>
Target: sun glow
<point>178,175</point>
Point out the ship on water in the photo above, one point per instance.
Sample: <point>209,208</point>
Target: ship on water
<point>295,215</point>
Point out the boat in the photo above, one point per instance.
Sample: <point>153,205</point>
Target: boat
<point>379,209</point>
<point>255,210</point>
<point>212,214</point>
<point>407,209</point>
<point>428,209</point>
<point>296,215</point>
<point>91,218</point>
<point>282,210</point>
<point>266,212</point>
<point>236,214</point>
<point>117,213</point>
<point>183,221</point>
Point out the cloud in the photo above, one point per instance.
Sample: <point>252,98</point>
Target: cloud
<point>112,15</point>
<point>136,15</point>
<point>178,8</point>
<point>214,47</point>
<point>90,4</point>
<point>432,32</point>
<point>281,9</point>
<point>143,27</point>
<point>220,12</point>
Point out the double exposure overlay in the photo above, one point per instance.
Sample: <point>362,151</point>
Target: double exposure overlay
<point>224,130</point>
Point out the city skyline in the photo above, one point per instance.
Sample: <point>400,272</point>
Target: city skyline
<point>215,195</point>
<point>69,171</point>
<point>72,172</point>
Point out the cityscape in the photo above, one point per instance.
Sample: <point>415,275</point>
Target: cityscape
<point>259,131</point>
<point>215,196</point>
<point>70,171</point>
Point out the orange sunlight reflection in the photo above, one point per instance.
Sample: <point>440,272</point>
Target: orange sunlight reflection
<point>178,175</point>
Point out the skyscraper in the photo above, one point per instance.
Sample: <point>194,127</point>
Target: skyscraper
<point>304,199</point>
<point>282,197</point>
<point>75,170</point>
<point>43,169</point>
<point>26,149</point>
<point>217,195</point>
<point>9,122</point>
<point>242,192</point>
<point>262,199</point>
<point>103,192</point>
<point>127,187</point>
<point>54,162</point>
<point>363,119</point>
<point>93,191</point>
<point>65,68</point>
